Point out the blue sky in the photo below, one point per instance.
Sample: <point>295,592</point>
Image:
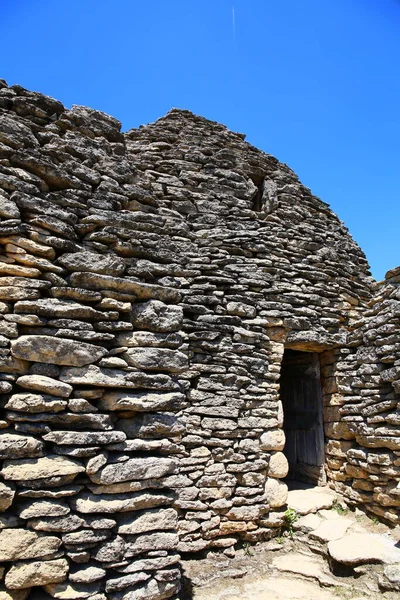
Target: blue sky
<point>314,82</point>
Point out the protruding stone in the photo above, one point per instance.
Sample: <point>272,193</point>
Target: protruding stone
<point>310,501</point>
<point>106,264</point>
<point>134,469</point>
<point>151,520</point>
<point>113,503</point>
<point>21,544</point>
<point>7,493</point>
<point>141,401</point>
<point>40,468</point>
<point>14,445</point>
<point>47,349</point>
<point>273,439</point>
<point>41,383</point>
<point>156,359</point>
<point>278,465</point>
<point>72,591</point>
<point>276,492</point>
<point>157,316</point>
<point>363,548</point>
<point>25,575</point>
<point>84,438</point>
<point>35,403</point>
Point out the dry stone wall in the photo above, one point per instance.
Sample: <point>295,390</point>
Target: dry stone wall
<point>364,461</point>
<point>150,282</point>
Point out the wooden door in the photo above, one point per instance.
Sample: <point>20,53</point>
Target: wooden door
<point>303,418</point>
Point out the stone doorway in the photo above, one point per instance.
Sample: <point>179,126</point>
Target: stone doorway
<point>301,395</point>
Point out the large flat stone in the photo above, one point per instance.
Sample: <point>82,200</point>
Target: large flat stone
<point>151,542</point>
<point>25,575</point>
<point>35,403</point>
<point>144,291</point>
<point>106,264</point>
<point>134,469</point>
<point>310,500</point>
<point>60,309</point>
<point>104,377</point>
<point>40,468</point>
<point>363,548</point>
<point>157,316</point>
<point>156,359</point>
<point>21,544</point>
<point>332,529</point>
<point>15,445</point>
<point>47,385</point>
<point>84,438</point>
<point>91,503</point>
<point>151,520</point>
<point>306,566</point>
<point>73,591</point>
<point>153,426</point>
<point>59,351</point>
<point>42,507</point>
<point>141,401</point>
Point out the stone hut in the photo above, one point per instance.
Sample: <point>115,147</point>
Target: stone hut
<point>183,324</point>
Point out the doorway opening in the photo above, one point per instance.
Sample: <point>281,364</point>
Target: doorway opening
<point>301,395</point>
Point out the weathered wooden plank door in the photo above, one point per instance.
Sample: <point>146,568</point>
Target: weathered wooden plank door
<point>303,416</point>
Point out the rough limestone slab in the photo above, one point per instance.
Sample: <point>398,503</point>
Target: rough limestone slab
<point>47,385</point>
<point>157,316</point>
<point>151,520</point>
<point>150,542</point>
<point>35,403</point>
<point>156,359</point>
<point>362,548</point>
<point>300,564</point>
<point>134,469</point>
<point>144,291</point>
<point>21,544</point>
<point>115,378</point>
<point>40,468</point>
<point>276,492</point>
<point>15,445</point>
<point>308,522</point>
<point>87,574</point>
<point>309,501</point>
<point>25,575</point>
<point>33,509</point>
<point>91,503</point>
<point>7,493</point>
<point>58,351</point>
<point>106,264</point>
<point>75,591</point>
<point>60,309</point>
<point>332,529</point>
<point>84,438</point>
<point>141,401</point>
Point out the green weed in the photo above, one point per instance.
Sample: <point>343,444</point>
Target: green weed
<point>247,549</point>
<point>290,517</point>
<point>340,509</point>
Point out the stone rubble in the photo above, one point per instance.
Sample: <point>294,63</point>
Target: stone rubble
<point>150,282</point>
